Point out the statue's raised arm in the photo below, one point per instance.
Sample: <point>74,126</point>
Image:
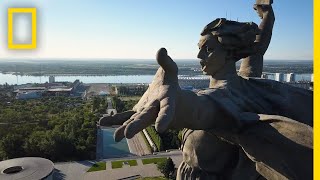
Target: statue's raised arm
<point>252,65</point>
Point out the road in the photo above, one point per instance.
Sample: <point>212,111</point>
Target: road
<point>110,108</point>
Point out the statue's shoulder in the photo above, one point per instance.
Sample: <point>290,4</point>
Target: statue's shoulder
<point>212,91</point>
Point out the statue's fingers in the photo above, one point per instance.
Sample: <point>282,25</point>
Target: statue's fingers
<point>124,115</point>
<point>166,62</point>
<point>131,118</point>
<point>142,120</point>
<point>166,114</point>
<point>119,133</point>
<point>117,119</point>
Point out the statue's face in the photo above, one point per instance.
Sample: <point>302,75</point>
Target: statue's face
<point>212,54</point>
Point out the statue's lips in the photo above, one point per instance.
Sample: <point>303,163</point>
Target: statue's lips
<point>203,64</point>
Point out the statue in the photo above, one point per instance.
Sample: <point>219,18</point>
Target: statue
<point>239,128</point>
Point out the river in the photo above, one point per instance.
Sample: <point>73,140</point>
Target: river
<point>17,79</point>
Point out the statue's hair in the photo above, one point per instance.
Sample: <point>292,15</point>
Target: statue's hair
<point>236,37</point>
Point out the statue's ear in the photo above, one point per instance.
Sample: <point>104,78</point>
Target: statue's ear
<point>212,26</point>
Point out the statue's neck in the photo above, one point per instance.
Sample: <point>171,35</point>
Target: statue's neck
<point>227,72</point>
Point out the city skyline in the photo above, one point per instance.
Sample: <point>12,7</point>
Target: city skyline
<point>104,30</point>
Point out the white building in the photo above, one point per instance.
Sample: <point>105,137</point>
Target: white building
<point>291,77</point>
<point>279,77</point>
<point>51,79</point>
<point>264,76</point>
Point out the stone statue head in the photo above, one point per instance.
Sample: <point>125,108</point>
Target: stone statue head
<point>223,40</point>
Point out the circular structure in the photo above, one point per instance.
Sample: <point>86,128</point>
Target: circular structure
<point>26,168</point>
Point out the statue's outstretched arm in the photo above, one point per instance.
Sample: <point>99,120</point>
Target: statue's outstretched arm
<point>266,26</point>
<point>165,105</point>
<point>195,111</point>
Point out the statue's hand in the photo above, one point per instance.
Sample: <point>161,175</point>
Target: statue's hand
<point>116,119</point>
<point>262,10</point>
<point>157,105</point>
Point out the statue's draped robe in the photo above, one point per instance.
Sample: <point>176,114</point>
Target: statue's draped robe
<point>269,122</point>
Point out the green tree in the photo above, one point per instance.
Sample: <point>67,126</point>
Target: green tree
<point>39,144</point>
<point>12,146</point>
<point>63,146</point>
<point>118,104</point>
<point>95,103</point>
<point>166,168</point>
<point>170,139</point>
<point>53,127</point>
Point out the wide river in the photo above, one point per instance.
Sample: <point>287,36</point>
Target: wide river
<point>17,79</point>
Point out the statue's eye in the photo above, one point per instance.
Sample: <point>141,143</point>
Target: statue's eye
<point>209,49</point>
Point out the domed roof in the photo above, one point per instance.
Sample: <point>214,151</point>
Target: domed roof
<point>25,168</point>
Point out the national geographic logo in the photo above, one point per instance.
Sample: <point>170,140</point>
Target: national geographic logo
<point>22,37</point>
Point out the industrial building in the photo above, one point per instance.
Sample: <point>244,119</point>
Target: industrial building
<point>48,89</point>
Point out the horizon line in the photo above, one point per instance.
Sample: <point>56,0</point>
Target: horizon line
<point>125,59</point>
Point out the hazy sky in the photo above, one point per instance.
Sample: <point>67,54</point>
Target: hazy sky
<point>138,28</point>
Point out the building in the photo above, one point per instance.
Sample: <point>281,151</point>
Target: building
<point>279,77</point>
<point>264,76</point>
<point>51,79</point>
<point>291,77</point>
<point>29,94</point>
<point>26,168</point>
<point>59,91</point>
<point>28,91</point>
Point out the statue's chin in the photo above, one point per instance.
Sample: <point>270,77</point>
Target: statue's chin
<point>205,73</point>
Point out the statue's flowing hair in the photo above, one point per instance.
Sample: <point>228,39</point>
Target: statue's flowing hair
<point>238,38</point>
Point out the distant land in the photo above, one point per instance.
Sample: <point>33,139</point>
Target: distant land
<point>129,67</point>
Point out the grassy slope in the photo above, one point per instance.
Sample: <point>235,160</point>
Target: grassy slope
<point>98,167</point>
<point>152,160</point>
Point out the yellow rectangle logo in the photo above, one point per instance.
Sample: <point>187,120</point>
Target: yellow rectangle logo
<point>33,12</point>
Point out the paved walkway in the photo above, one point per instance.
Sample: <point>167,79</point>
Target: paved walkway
<point>148,170</point>
<point>71,170</point>
<point>78,170</point>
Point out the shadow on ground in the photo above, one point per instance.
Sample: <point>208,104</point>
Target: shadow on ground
<point>58,175</point>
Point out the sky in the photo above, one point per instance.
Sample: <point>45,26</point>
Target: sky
<point>136,29</point>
